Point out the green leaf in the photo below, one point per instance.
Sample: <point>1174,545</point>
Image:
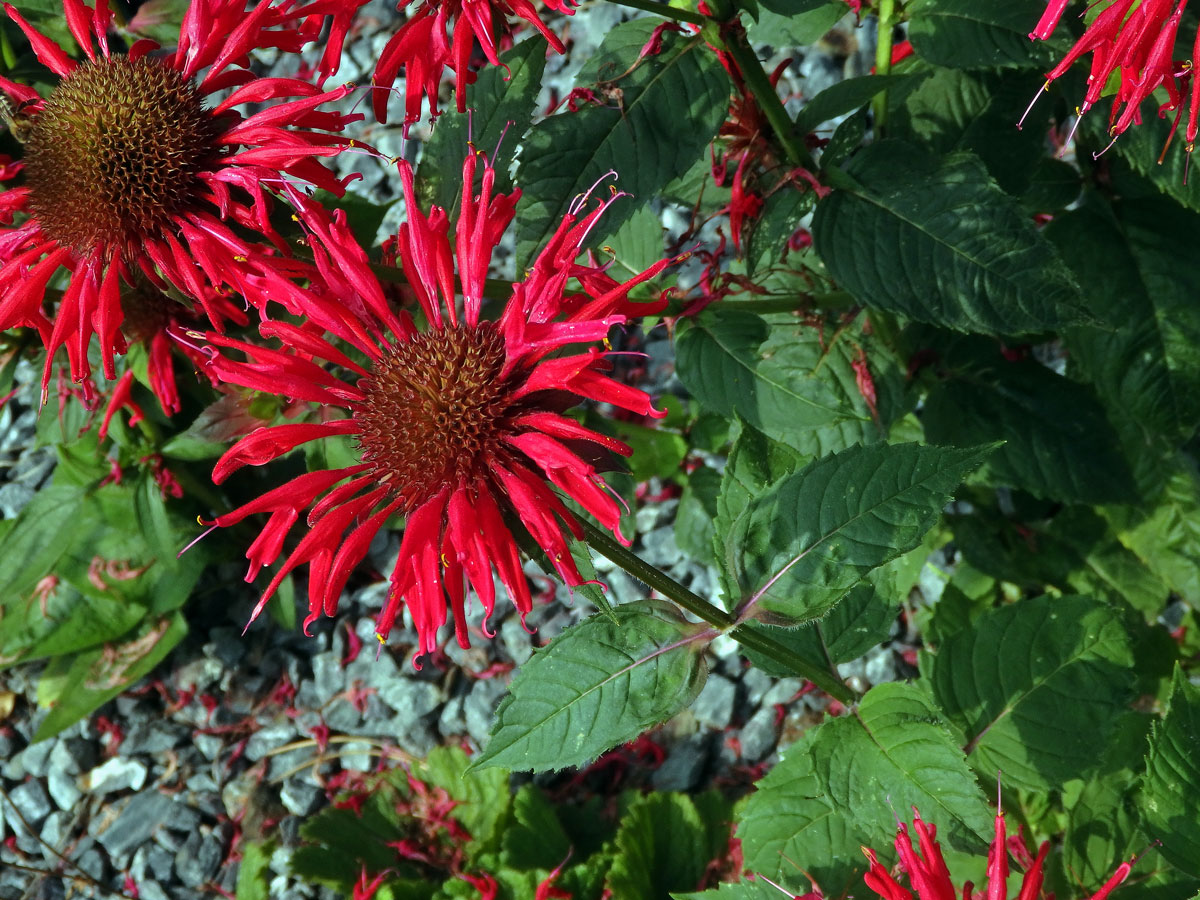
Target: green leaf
<point>1036,686</point>
<point>784,212</point>
<point>595,686</point>
<point>95,677</point>
<point>1172,782</point>
<point>209,435</point>
<point>695,517</point>
<point>843,98</point>
<point>795,22</point>
<point>254,873</point>
<point>41,534</point>
<point>502,99</point>
<point>839,788</point>
<point>481,798</point>
<point>947,246</point>
<point>1145,361</point>
<point>804,543</point>
<point>794,382</point>
<point>536,840</point>
<point>971,35</point>
<point>950,110</point>
<point>1166,538</point>
<point>663,845</point>
<point>860,621</point>
<point>664,111</point>
<point>1058,443</point>
<point>742,890</point>
<point>153,523</point>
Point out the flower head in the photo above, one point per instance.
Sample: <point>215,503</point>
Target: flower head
<point>929,877</point>
<point>127,170</point>
<point>443,34</point>
<point>1138,45</point>
<point>459,426</point>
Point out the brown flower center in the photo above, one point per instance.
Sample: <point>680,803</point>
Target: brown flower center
<point>435,409</point>
<point>114,153</point>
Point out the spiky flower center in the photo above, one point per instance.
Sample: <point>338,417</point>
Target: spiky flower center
<point>435,409</point>
<point>114,153</point>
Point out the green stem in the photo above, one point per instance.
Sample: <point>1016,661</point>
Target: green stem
<point>883,61</point>
<point>667,12</point>
<point>768,101</point>
<point>659,581</point>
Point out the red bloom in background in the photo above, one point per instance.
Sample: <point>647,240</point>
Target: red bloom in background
<point>424,48</point>
<point>459,426</point>
<point>1139,46</point>
<point>126,171</point>
<point>929,877</point>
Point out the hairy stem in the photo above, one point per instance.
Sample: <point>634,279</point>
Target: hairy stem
<point>664,584</point>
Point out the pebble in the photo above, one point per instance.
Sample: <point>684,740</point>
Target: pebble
<point>199,858</point>
<point>136,823</point>
<point>115,775</point>
<point>301,798</point>
<point>31,802</point>
<point>714,706</point>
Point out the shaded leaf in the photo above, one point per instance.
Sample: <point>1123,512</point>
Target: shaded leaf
<point>947,246</point>
<point>1036,686</point>
<point>805,542</point>
<point>968,34</point>
<point>663,844</point>
<point>1172,780</point>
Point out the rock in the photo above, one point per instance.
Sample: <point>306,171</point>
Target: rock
<point>142,815</point>
<point>714,706</point>
<point>329,678</point>
<point>181,817</point>
<point>757,684</point>
<point>516,640</point>
<point>300,798</point>
<point>684,765</point>
<point>270,738</point>
<point>227,646</point>
<point>31,801</point>
<point>209,745</point>
<point>54,834</point>
<point>782,690</point>
<point>150,736</point>
<point>14,497</point>
<point>115,775</point>
<point>33,760</point>
<point>480,707</point>
<point>356,755</point>
<point>160,863</point>
<point>151,890</point>
<point>759,735</point>
<point>199,858</point>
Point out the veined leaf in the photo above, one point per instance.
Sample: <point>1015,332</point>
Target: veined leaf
<point>805,542</point>
<point>1172,782</point>
<point>946,245</point>
<point>839,787</point>
<point>659,114</point>
<point>597,685</point>
<point>967,34</point>
<point>1036,686</point>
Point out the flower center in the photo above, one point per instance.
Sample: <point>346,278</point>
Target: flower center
<point>114,153</point>
<point>434,410</point>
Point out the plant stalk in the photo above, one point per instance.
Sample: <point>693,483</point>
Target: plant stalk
<point>883,61</point>
<point>659,581</point>
<point>666,11</point>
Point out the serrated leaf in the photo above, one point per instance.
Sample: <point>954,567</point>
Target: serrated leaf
<point>254,873</point>
<point>96,676</point>
<point>536,839</point>
<point>502,99</point>
<point>971,35</point>
<point>794,382</point>
<point>860,621</point>
<point>947,246</point>
<point>1166,537</point>
<point>839,787</point>
<point>1144,360</point>
<point>663,845</point>
<point>595,686</point>
<point>668,107</point>
<point>950,110</point>
<point>696,515</point>
<point>1058,442</point>
<point>1172,781</point>
<point>799,24</point>
<point>481,798</point>
<point>1036,686</point>
<point>804,543</point>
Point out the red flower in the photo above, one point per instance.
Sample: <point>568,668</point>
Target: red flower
<point>1137,45</point>
<point>928,875</point>
<point>127,172</point>
<point>459,426</point>
<point>423,47</point>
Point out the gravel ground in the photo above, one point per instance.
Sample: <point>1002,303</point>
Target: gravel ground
<point>150,796</point>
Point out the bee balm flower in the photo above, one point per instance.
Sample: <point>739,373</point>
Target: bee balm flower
<point>126,169</point>
<point>459,427</point>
